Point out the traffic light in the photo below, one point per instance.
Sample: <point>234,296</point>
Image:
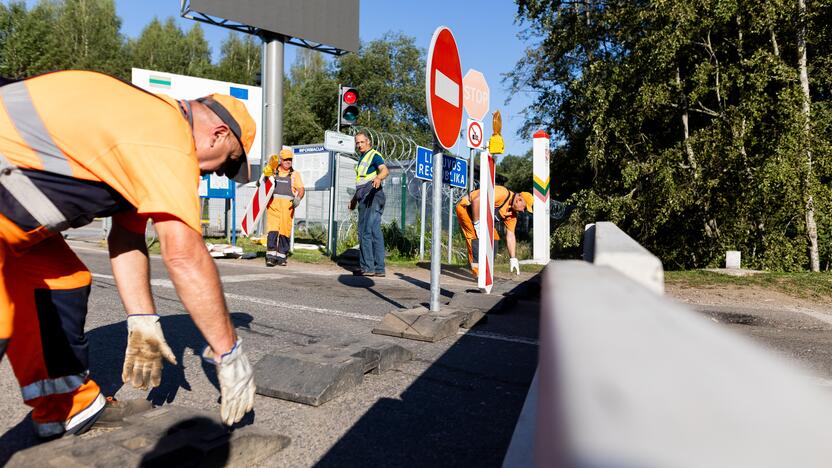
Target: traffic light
<point>348,106</point>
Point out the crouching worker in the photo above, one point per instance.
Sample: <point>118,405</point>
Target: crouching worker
<point>506,206</point>
<point>280,214</point>
<point>76,145</point>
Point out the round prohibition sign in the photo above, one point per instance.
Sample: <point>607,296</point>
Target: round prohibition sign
<point>475,135</point>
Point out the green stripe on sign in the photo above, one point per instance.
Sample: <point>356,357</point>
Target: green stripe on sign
<point>540,188</point>
<point>160,81</point>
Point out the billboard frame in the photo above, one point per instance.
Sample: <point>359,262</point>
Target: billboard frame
<point>185,11</point>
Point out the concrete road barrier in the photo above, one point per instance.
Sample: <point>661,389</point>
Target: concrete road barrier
<point>629,378</point>
<point>605,244</point>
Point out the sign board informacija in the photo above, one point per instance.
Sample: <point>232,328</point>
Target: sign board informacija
<point>443,87</point>
<point>455,170</point>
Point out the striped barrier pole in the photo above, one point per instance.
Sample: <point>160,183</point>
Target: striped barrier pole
<point>257,206</point>
<point>485,275</point>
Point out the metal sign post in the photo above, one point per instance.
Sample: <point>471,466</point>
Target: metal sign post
<point>330,238</point>
<point>450,224</point>
<point>436,236</point>
<point>422,222</point>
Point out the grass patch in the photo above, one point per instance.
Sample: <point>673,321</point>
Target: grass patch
<point>805,285</point>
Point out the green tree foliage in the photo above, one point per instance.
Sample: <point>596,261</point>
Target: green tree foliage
<point>27,45</point>
<point>81,34</point>
<point>681,121</point>
<point>390,76</point>
<point>518,172</point>
<point>311,97</point>
<point>165,47</point>
<point>89,32</point>
<point>240,60</point>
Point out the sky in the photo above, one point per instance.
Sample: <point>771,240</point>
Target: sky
<point>485,31</point>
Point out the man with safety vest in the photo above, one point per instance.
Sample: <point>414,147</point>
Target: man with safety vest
<point>369,197</point>
<point>76,145</point>
<point>506,206</point>
<point>280,214</point>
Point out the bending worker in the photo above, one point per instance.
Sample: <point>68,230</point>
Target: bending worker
<point>506,206</point>
<point>280,214</point>
<point>76,145</point>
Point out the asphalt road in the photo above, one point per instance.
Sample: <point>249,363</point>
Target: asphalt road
<point>455,404</point>
<point>803,335</point>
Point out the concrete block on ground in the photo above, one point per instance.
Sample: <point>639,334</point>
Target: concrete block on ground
<point>420,324</point>
<point>732,259</point>
<point>316,373</point>
<point>478,301</point>
<point>164,436</point>
<point>473,317</point>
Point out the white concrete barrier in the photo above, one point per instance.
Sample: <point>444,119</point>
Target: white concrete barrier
<point>607,245</point>
<point>629,378</point>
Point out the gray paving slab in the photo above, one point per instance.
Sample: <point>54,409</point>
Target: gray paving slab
<point>165,436</point>
<point>318,372</point>
<point>420,324</point>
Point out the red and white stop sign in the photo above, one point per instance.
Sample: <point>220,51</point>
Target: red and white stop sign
<point>476,95</point>
<point>443,87</point>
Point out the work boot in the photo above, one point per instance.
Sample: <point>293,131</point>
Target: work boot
<point>281,261</point>
<point>271,261</point>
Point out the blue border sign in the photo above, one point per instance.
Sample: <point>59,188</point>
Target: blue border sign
<point>455,170</point>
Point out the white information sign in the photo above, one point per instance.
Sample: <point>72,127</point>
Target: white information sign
<point>339,142</point>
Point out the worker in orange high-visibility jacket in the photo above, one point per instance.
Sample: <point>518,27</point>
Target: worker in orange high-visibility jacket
<point>280,214</point>
<point>76,145</point>
<point>506,206</point>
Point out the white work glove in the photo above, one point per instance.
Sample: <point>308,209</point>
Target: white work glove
<point>295,202</point>
<point>477,227</point>
<point>236,382</point>
<point>146,346</point>
<point>514,265</point>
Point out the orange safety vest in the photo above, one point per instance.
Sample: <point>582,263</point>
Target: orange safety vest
<point>96,134</point>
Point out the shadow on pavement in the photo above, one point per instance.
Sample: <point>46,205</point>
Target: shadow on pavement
<point>366,283</point>
<point>424,285</point>
<point>453,271</point>
<point>461,411</point>
<point>17,438</point>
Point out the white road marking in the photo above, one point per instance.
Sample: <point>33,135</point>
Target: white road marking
<point>446,88</point>
<point>498,337</point>
<point>163,283</point>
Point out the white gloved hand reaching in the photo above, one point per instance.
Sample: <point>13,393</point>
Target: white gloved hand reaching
<point>236,382</point>
<point>146,346</point>
<point>477,228</point>
<point>514,265</point>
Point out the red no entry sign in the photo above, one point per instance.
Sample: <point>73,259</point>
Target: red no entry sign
<point>443,87</point>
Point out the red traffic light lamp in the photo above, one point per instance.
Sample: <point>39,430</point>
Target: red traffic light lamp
<point>347,106</point>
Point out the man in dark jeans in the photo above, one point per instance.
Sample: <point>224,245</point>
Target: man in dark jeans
<point>369,197</point>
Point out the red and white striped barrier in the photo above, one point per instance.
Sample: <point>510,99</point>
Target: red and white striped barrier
<point>257,205</point>
<point>485,277</point>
